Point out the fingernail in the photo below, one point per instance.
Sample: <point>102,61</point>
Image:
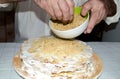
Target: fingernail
<point>89,30</point>
<point>83,14</point>
<point>84,32</point>
<point>53,18</point>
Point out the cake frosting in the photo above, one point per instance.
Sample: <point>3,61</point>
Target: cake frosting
<point>54,58</point>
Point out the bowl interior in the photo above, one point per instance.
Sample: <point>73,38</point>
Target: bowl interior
<point>77,30</point>
<point>77,11</point>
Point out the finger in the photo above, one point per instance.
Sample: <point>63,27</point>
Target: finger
<point>50,9</point>
<point>102,14</point>
<point>71,6</point>
<point>100,11</point>
<point>86,8</point>
<point>56,10</point>
<point>92,22</point>
<point>40,3</point>
<point>65,10</point>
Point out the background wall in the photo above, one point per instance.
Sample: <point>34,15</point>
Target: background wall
<point>113,35</point>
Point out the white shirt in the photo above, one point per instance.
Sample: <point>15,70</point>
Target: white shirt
<point>31,21</point>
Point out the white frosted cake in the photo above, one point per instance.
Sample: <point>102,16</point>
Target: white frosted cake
<point>54,58</point>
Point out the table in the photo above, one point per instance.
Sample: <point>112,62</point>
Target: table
<point>109,52</point>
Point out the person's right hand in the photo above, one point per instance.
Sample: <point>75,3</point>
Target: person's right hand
<point>100,9</point>
<point>62,10</point>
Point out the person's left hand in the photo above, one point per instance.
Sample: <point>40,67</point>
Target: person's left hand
<point>98,13</point>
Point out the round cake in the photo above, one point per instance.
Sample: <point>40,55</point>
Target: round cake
<point>54,58</point>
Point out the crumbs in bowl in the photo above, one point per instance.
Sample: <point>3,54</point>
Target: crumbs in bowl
<point>77,21</point>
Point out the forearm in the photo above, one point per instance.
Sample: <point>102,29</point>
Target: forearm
<point>9,1</point>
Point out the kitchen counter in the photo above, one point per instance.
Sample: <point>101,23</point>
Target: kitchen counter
<point>109,52</point>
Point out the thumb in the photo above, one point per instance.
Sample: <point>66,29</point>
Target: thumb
<point>86,8</point>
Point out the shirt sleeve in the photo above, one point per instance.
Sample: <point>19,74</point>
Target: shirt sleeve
<point>116,17</point>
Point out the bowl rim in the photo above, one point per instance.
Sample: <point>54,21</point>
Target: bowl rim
<point>87,18</point>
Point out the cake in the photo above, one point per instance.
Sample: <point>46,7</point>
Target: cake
<point>54,58</point>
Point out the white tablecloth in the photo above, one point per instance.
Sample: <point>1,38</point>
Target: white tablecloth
<point>109,52</point>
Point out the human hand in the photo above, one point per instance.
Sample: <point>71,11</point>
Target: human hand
<point>98,13</point>
<point>58,9</point>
